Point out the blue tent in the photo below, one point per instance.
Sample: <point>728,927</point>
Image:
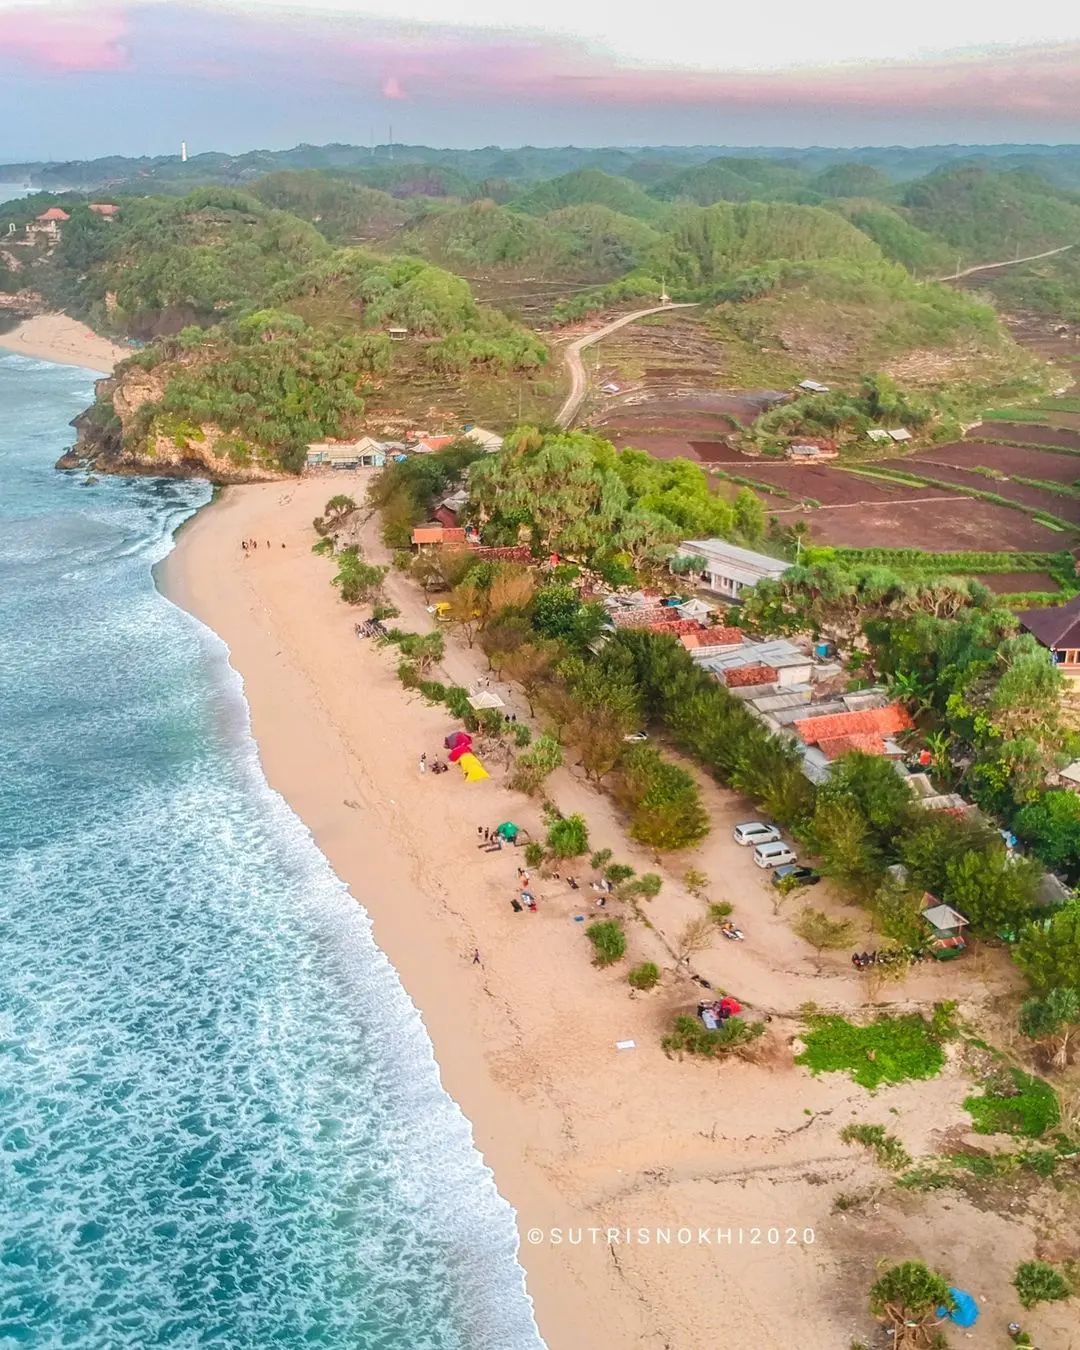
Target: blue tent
<point>966,1312</point>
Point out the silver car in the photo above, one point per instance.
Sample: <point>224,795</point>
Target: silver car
<point>755,832</point>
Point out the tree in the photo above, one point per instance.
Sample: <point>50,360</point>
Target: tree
<point>822,933</point>
<point>844,841</point>
<point>1049,951</point>
<point>337,508</point>
<point>1051,825</point>
<point>1051,1022</point>
<point>542,757</point>
<point>357,580</point>
<point>555,611</point>
<point>426,650</point>
<point>568,837</point>
<point>465,609</point>
<point>529,665</point>
<point>905,1298</point>
<point>696,936</point>
<point>749,515</point>
<point>990,888</point>
<point>608,940</point>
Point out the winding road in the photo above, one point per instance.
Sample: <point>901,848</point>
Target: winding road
<point>1007,262</point>
<point>572,357</point>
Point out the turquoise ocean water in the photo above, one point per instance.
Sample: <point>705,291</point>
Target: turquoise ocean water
<point>220,1120</point>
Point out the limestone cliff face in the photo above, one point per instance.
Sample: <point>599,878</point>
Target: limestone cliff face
<point>113,437</point>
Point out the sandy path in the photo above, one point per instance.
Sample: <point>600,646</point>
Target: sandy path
<point>55,337</point>
<point>572,357</point>
<point>578,1134</point>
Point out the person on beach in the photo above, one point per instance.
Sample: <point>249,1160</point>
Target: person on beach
<point>476,957</point>
<point>423,763</point>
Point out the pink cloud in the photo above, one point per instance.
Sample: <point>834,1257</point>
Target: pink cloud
<point>393,88</point>
<point>64,41</point>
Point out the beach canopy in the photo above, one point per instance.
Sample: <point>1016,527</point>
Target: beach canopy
<point>485,700</point>
<point>472,768</point>
<point>457,738</point>
<point>508,831</point>
<point>966,1312</point>
<point>462,748</point>
<point>731,1006</point>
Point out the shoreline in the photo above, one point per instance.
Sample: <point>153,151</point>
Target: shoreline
<point>578,1134</point>
<point>65,342</point>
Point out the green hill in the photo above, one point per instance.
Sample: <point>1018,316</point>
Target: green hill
<point>166,264</point>
<point>892,231</point>
<point>732,180</point>
<point>851,180</point>
<point>483,235</point>
<point>987,216</point>
<point>591,187</point>
<point>342,211</point>
<point>707,246</point>
<point>599,243</point>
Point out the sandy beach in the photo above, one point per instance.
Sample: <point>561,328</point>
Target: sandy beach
<point>55,337</point>
<point>580,1134</point>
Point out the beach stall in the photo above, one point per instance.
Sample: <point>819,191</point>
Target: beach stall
<point>471,767</point>
<point>484,700</point>
<point>508,831</point>
<point>458,743</point>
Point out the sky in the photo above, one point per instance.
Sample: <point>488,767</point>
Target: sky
<point>82,78</point>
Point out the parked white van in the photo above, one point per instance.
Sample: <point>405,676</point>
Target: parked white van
<point>775,854</point>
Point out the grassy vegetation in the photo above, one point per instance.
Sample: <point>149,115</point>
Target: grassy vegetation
<point>886,1148</point>
<point>1014,1102</point>
<point>887,1050</point>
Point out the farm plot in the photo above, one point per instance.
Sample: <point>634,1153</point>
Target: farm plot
<point>825,485</point>
<point>1011,460</point>
<point>1032,498</point>
<point>1018,583</point>
<point>941,524</point>
<point>1029,433</point>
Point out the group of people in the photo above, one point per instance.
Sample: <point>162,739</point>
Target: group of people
<point>250,545</point>
<point>889,956</point>
<point>435,765</point>
<point>731,932</point>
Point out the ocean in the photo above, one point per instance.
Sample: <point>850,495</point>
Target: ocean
<point>221,1123</point>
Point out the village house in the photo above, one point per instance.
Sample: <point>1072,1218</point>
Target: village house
<point>489,441</point>
<point>811,451</point>
<point>728,569</point>
<point>105,210</point>
<point>365,453</point>
<point>1058,630</point>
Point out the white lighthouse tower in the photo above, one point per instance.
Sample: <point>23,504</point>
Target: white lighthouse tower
<point>183,152</point>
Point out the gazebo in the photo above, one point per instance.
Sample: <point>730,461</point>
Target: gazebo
<point>485,699</point>
<point>947,928</point>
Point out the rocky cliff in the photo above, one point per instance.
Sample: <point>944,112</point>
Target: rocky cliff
<point>120,434</point>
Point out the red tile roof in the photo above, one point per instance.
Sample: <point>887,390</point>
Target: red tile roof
<point>54,213</point>
<point>104,208</point>
<point>742,676</point>
<point>869,742</point>
<point>713,637</point>
<point>885,721</point>
<point>437,534</point>
<point>436,442</point>
<point>678,627</point>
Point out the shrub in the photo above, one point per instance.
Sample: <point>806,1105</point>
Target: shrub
<point>600,858</point>
<point>608,940</point>
<point>690,1036</point>
<point>616,873</point>
<point>1038,1282</point>
<point>1014,1102</point>
<point>568,837</point>
<point>907,1296</point>
<point>534,764</point>
<point>885,1147</point>
<point>663,799</point>
<point>645,976</point>
<point>720,909</point>
<point>534,854</point>
<point>522,734</point>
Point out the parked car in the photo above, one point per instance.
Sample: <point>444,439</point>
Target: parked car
<point>796,875</point>
<point>772,855</point>
<point>755,832</point>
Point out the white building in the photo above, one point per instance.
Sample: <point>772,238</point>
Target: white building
<point>730,570</point>
<point>365,453</point>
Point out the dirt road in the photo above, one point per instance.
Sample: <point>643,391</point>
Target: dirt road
<point>1007,262</point>
<point>572,357</point>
